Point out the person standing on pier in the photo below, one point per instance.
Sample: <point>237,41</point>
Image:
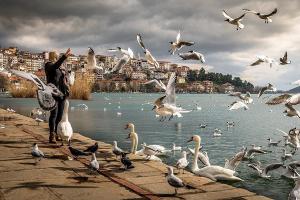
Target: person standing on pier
<point>57,75</point>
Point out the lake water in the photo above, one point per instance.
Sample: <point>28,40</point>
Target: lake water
<point>252,127</point>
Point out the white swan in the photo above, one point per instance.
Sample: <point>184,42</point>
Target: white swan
<point>64,128</point>
<point>133,137</point>
<point>212,172</point>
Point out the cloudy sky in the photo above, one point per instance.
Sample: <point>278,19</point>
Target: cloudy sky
<point>57,24</point>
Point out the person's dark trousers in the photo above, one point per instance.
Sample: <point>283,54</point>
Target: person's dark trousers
<point>55,116</point>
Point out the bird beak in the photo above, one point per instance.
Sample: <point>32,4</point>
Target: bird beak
<point>126,127</point>
<point>128,136</point>
<point>191,139</point>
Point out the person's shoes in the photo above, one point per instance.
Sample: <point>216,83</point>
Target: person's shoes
<point>52,139</point>
<point>57,137</point>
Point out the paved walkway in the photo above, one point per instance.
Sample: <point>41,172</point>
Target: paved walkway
<point>57,177</point>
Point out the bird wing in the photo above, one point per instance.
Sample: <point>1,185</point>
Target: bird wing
<point>250,11</point>
<point>278,100</point>
<point>272,13</point>
<point>285,134</point>
<point>257,62</point>
<point>178,37</point>
<point>289,106</point>
<point>170,90</point>
<point>261,91</point>
<point>140,41</point>
<point>240,17</point>
<point>255,167</point>
<point>226,15</point>
<point>130,53</point>
<point>159,102</point>
<point>175,181</point>
<point>201,57</point>
<point>40,84</point>
<point>123,61</point>
<point>285,56</point>
<point>272,167</point>
<point>158,83</point>
<point>185,43</point>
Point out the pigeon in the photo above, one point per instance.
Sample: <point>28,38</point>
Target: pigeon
<point>93,148</point>
<point>192,55</point>
<point>269,87</point>
<point>76,152</point>
<point>178,44</point>
<point>36,153</point>
<point>236,21</point>
<point>265,17</point>
<point>284,60</point>
<point>126,161</point>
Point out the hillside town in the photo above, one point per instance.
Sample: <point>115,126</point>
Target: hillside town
<point>131,78</point>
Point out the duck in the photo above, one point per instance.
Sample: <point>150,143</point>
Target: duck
<point>64,127</point>
<point>182,163</point>
<point>212,172</point>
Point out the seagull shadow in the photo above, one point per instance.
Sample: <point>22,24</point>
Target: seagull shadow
<point>38,184</point>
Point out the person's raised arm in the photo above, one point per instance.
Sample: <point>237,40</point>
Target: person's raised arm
<point>58,63</point>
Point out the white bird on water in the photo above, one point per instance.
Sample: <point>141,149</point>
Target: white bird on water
<point>237,105</point>
<point>212,172</point>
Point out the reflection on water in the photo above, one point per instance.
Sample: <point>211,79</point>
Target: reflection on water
<point>101,122</point>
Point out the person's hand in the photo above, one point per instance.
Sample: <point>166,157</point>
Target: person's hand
<point>68,52</point>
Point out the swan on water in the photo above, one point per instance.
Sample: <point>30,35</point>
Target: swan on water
<point>64,128</point>
<point>212,172</point>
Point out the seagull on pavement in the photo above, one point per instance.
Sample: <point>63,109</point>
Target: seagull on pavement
<point>36,153</point>
<point>182,162</point>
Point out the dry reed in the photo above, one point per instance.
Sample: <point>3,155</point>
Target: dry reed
<point>26,89</point>
<point>81,89</point>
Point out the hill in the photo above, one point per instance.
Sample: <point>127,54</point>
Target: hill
<point>294,90</point>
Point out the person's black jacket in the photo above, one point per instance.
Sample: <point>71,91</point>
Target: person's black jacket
<point>55,76</point>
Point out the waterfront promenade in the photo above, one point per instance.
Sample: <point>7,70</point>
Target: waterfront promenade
<point>57,177</point>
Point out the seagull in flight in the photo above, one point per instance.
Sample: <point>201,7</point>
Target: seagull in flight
<point>236,21</point>
<point>265,59</point>
<point>169,89</point>
<point>91,60</point>
<point>269,87</point>
<point>284,60</point>
<point>178,44</point>
<point>148,56</point>
<point>286,99</point>
<point>265,17</point>
<point>263,172</point>
<point>192,55</point>
<point>127,52</point>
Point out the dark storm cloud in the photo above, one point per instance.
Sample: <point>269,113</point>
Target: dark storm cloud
<point>39,25</point>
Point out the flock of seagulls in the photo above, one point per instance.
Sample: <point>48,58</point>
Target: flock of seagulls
<point>165,107</point>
